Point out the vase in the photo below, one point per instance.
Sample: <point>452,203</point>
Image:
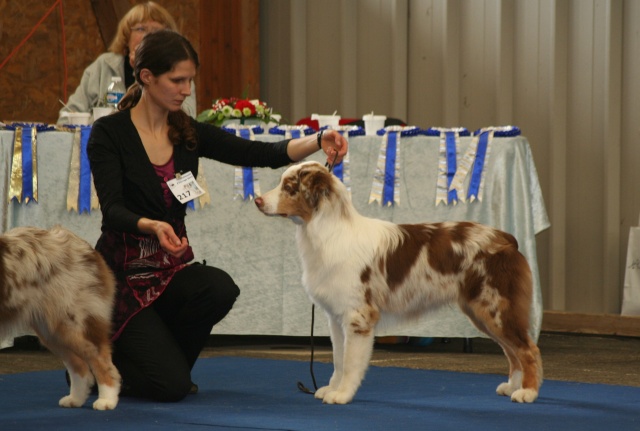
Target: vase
<point>230,121</point>
<point>251,121</point>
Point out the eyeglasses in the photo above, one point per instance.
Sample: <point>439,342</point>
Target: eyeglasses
<point>146,29</point>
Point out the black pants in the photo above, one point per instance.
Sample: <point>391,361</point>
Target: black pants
<point>159,346</point>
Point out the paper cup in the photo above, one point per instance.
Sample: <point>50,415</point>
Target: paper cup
<point>331,121</point>
<point>373,123</point>
<point>79,118</point>
<point>101,111</point>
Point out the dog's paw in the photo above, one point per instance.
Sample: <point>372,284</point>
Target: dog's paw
<point>70,401</point>
<point>505,389</point>
<point>321,392</point>
<point>337,397</point>
<point>105,404</point>
<point>524,396</point>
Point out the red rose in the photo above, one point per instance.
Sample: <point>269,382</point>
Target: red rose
<point>242,105</point>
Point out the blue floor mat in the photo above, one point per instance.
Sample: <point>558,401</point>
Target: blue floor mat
<point>258,394</point>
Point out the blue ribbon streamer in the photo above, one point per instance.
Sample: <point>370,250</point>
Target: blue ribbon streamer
<point>390,168</point>
<point>338,170</point>
<point>247,182</point>
<point>27,164</point>
<point>478,165</point>
<point>450,140</point>
<point>84,193</point>
<point>247,173</point>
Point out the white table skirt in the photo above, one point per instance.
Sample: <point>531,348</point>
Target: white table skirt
<point>260,253</point>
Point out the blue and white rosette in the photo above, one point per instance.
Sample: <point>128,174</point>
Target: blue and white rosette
<point>386,180</point>
<point>447,162</point>
<point>245,184</point>
<point>23,184</point>
<point>81,193</point>
<point>291,132</point>
<point>476,159</point>
<point>484,137</point>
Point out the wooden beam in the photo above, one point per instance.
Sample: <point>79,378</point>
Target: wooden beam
<point>595,324</point>
<point>229,50</point>
<point>108,14</point>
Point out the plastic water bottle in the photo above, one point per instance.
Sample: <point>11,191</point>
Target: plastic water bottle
<point>115,92</point>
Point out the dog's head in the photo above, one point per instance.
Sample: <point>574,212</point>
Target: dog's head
<point>302,190</point>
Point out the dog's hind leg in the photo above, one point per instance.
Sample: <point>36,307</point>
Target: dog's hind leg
<point>358,328</point>
<point>531,362</point>
<point>88,361</point>
<point>95,349</point>
<point>107,377</point>
<point>81,379</point>
<point>525,362</point>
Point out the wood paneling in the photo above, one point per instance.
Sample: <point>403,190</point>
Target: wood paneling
<point>229,50</point>
<point>34,79</point>
<point>108,13</point>
<point>595,324</point>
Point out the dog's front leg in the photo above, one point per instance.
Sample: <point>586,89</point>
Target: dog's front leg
<point>337,343</point>
<point>358,346</point>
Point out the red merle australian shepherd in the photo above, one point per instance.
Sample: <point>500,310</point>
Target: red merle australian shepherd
<point>360,270</point>
<point>55,284</point>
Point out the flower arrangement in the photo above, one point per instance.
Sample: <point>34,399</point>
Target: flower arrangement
<point>238,109</point>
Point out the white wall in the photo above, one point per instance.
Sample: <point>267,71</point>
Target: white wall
<point>564,71</point>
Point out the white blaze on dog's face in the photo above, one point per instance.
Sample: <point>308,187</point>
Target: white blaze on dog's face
<point>299,193</point>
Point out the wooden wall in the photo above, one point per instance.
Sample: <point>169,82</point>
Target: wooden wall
<point>33,80</point>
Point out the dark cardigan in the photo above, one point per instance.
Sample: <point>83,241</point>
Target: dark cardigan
<point>128,188</point>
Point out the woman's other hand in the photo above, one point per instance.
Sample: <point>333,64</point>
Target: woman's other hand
<point>167,238</point>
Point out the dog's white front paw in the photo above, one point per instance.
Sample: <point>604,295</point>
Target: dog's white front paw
<point>321,392</point>
<point>505,389</point>
<point>105,404</point>
<point>524,396</point>
<point>71,401</point>
<point>337,397</point>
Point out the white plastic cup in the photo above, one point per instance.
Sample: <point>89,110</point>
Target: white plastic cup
<point>79,118</point>
<point>101,111</point>
<point>331,121</point>
<point>373,123</point>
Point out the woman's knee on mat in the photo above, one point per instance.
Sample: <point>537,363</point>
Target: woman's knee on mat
<point>171,388</point>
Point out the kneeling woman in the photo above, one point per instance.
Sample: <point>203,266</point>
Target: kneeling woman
<point>166,306</point>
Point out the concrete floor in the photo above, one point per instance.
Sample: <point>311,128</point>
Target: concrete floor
<point>581,358</point>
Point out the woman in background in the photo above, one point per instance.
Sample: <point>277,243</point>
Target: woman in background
<point>118,61</point>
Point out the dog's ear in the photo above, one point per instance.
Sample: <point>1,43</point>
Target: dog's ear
<point>315,183</point>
